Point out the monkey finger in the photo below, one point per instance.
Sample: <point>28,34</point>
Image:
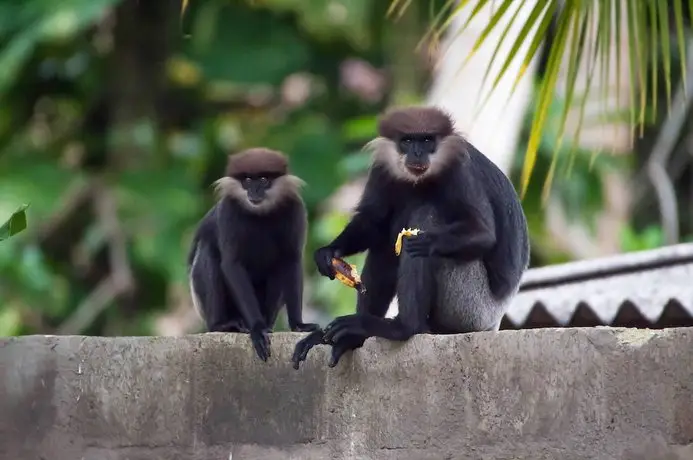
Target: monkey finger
<point>418,247</point>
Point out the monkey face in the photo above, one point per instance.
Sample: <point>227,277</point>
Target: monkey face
<point>256,187</point>
<point>259,193</point>
<point>416,158</point>
<point>416,150</point>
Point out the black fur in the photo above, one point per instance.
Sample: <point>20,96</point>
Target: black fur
<point>244,265</point>
<point>477,216</point>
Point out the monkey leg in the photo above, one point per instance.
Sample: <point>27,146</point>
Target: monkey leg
<point>464,300</point>
<point>379,275</point>
<point>415,290</point>
<point>210,295</point>
<point>270,298</point>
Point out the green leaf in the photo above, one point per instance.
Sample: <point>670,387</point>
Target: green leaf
<point>15,224</point>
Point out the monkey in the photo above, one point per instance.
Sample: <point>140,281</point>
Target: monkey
<point>246,256</point>
<point>460,272</point>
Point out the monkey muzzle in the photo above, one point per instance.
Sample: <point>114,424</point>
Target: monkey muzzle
<point>417,168</point>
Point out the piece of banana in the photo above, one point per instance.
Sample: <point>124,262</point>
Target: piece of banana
<point>347,274</point>
<point>403,233</point>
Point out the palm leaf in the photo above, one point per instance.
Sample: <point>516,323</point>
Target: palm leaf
<point>15,224</point>
<point>646,28</point>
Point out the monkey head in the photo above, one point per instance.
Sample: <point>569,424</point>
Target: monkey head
<point>416,143</point>
<point>259,179</point>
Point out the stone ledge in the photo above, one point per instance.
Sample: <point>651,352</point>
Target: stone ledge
<point>595,393</point>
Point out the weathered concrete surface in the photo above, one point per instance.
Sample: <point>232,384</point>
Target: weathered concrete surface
<point>532,394</point>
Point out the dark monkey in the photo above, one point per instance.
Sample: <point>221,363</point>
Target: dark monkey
<point>461,272</point>
<point>246,255</point>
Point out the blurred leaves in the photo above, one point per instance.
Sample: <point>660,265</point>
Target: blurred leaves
<point>237,74</point>
<point>27,23</point>
<point>15,224</point>
<point>251,36</point>
<point>650,238</point>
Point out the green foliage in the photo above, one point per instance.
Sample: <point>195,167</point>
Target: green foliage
<point>15,224</point>
<point>223,76</point>
<point>27,23</point>
<point>651,237</point>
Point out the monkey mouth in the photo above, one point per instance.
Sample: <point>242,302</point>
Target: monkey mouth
<point>417,169</point>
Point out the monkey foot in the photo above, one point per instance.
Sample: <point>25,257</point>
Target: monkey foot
<point>305,345</point>
<point>349,325</point>
<point>348,343</point>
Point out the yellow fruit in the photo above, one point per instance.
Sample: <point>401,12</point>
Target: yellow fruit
<point>347,274</point>
<point>405,232</point>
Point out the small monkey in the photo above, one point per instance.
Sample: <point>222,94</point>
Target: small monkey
<point>460,271</point>
<point>246,255</point>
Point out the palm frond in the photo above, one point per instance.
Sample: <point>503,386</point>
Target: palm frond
<point>586,34</point>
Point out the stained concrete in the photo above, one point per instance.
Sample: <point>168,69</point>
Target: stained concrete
<point>532,394</point>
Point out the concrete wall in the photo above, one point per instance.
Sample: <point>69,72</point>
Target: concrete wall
<point>532,394</point>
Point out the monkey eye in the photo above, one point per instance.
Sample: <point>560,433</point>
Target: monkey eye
<point>406,140</point>
<point>246,181</point>
<point>264,180</point>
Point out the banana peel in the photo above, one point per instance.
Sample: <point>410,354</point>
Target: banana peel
<point>347,274</point>
<point>405,232</point>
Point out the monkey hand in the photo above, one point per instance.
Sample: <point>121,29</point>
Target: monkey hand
<point>323,260</point>
<point>259,335</point>
<point>421,245</point>
<point>304,327</point>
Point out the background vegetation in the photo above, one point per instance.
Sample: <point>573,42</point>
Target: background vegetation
<point>117,115</point>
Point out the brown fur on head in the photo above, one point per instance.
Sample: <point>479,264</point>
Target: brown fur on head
<point>256,162</point>
<point>399,122</point>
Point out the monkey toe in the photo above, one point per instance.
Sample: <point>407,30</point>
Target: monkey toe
<point>344,345</point>
<point>261,343</point>
<point>344,326</point>
<point>305,327</point>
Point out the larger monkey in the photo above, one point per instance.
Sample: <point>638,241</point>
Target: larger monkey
<point>246,255</point>
<point>459,274</point>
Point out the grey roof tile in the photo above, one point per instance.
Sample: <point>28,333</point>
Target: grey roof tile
<point>649,288</point>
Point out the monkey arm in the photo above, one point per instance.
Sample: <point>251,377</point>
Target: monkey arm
<point>368,227</point>
<point>465,241</point>
<point>238,282</point>
<point>292,288</point>
<point>235,274</point>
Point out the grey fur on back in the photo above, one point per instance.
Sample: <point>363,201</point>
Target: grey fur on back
<point>463,299</point>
